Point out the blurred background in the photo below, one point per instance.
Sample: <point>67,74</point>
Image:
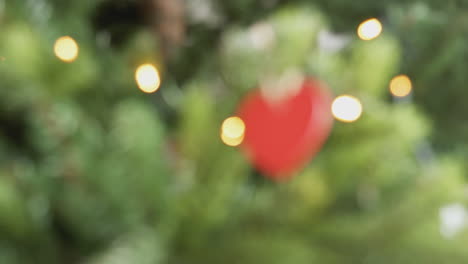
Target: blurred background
<point>124,131</point>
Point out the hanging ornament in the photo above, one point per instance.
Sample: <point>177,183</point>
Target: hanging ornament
<point>283,133</point>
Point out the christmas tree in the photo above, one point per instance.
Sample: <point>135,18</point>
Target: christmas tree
<point>116,145</point>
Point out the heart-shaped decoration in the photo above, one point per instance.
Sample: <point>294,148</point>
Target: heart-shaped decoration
<point>281,136</point>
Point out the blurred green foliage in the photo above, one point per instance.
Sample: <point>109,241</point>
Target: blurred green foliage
<point>94,171</point>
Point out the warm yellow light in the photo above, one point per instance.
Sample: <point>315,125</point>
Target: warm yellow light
<point>147,78</point>
<point>369,29</point>
<point>232,142</point>
<point>232,131</point>
<point>66,49</point>
<point>400,86</point>
<point>346,108</point>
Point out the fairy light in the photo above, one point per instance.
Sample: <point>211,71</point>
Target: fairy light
<point>400,86</point>
<point>66,49</point>
<point>369,29</point>
<point>346,108</point>
<point>232,142</point>
<point>453,219</point>
<point>232,131</point>
<point>147,78</point>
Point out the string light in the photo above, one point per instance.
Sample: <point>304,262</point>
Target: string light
<point>232,131</point>
<point>369,29</point>
<point>232,142</point>
<point>66,49</point>
<point>147,78</point>
<point>453,219</point>
<point>400,86</point>
<point>346,108</point>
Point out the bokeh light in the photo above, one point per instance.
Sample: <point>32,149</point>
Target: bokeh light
<point>453,219</point>
<point>400,86</point>
<point>66,49</point>
<point>232,142</point>
<point>369,29</point>
<point>346,108</point>
<point>147,78</point>
<point>233,131</point>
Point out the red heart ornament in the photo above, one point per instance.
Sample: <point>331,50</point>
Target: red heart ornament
<point>282,136</point>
